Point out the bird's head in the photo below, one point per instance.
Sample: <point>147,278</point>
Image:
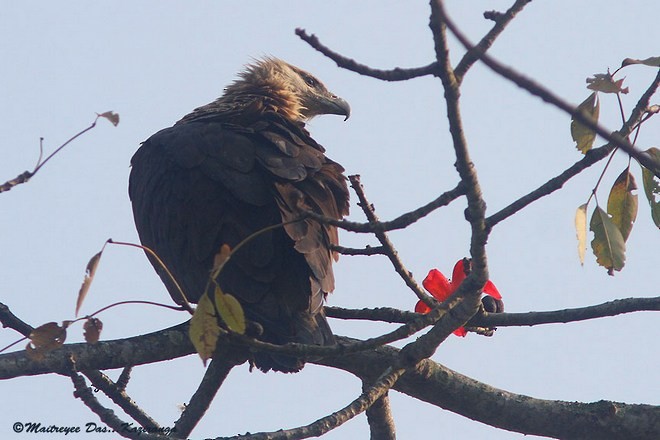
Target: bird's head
<point>288,90</point>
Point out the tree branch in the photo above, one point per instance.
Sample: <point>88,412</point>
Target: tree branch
<point>173,342</point>
<point>442,387</point>
<point>221,364</point>
<point>616,139</point>
<point>396,74</point>
<point>369,250</point>
<point>611,308</point>
<point>604,310</point>
<point>332,421</point>
<point>107,416</point>
<point>388,247</point>
<point>9,320</point>
<point>401,222</point>
<point>428,381</point>
<point>593,156</point>
<point>473,55</point>
<point>158,346</point>
<point>120,398</point>
<point>379,416</point>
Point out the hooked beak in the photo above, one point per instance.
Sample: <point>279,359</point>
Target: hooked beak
<point>328,105</point>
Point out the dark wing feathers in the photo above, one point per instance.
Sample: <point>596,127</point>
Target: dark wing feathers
<point>201,184</point>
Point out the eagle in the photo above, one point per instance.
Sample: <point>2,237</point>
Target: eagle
<point>236,166</point>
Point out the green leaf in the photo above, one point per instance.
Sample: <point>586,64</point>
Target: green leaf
<point>622,203</point>
<point>582,135</point>
<point>230,310</point>
<point>652,186</point>
<point>204,329</point>
<point>581,230</point>
<point>651,61</point>
<point>608,244</point>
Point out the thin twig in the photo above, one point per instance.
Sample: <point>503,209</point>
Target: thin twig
<point>396,74</point>
<point>616,139</point>
<point>507,319</point>
<point>337,418</point>
<point>610,308</point>
<point>120,398</point>
<point>369,250</point>
<point>390,251</point>
<point>400,222</point>
<point>107,416</point>
<point>593,156</point>
<point>27,175</point>
<point>473,55</point>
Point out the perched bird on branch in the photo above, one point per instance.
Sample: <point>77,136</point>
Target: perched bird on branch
<point>234,167</point>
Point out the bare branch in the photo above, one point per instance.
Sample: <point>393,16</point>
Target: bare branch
<point>396,74</point>
<point>383,314</point>
<point>215,375</point>
<point>331,421</point>
<point>9,320</point>
<point>467,296</point>
<point>507,319</point>
<point>390,251</point>
<point>611,308</point>
<point>369,250</point>
<point>107,416</point>
<point>401,222</point>
<point>174,342</point>
<point>616,139</point>
<point>158,346</point>
<point>501,22</point>
<point>379,416</point>
<point>442,387</point>
<point>120,398</point>
<point>27,175</point>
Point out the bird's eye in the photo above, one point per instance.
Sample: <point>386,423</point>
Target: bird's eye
<point>311,81</point>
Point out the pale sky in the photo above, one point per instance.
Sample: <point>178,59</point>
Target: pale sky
<point>154,61</point>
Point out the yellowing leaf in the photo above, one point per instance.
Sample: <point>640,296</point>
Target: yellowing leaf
<point>581,230</point>
<point>204,328</point>
<point>90,271</point>
<point>230,310</point>
<point>582,135</point>
<point>92,327</point>
<point>608,244</point>
<point>110,116</point>
<point>651,61</point>
<point>652,186</point>
<point>622,203</point>
<point>604,82</point>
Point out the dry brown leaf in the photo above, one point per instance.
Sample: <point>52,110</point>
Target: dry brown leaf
<point>90,271</point>
<point>110,116</point>
<point>92,327</point>
<point>220,259</point>
<point>45,338</point>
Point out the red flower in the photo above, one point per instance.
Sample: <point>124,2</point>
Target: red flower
<point>441,288</point>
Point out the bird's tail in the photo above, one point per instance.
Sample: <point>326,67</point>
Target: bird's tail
<point>304,329</point>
